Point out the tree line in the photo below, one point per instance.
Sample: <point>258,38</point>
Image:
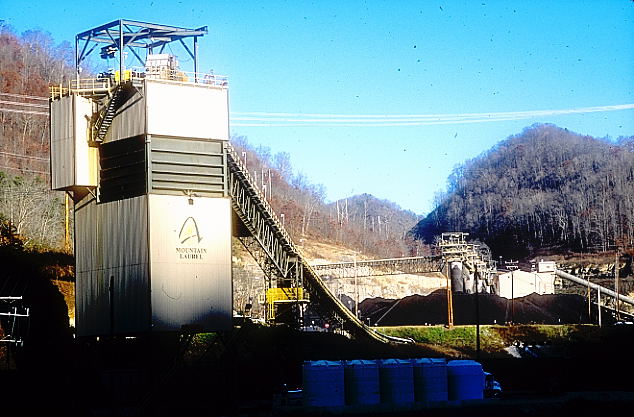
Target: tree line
<point>545,187</point>
<point>29,64</point>
<point>377,227</point>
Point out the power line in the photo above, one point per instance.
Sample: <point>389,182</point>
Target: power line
<point>24,170</point>
<point>439,116</point>
<point>24,96</point>
<point>24,156</point>
<point>271,119</point>
<point>298,119</point>
<point>17,193</point>
<point>25,111</point>
<point>16,103</point>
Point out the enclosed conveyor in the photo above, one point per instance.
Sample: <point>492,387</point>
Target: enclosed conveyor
<point>599,288</point>
<point>278,256</point>
<point>144,154</point>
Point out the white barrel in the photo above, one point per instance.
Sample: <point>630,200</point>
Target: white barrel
<point>397,381</point>
<point>323,383</point>
<point>430,380</point>
<point>465,380</point>
<point>362,382</point>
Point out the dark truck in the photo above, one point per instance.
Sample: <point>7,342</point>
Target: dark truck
<point>492,388</point>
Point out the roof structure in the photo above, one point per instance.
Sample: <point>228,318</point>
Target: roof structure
<point>120,34</point>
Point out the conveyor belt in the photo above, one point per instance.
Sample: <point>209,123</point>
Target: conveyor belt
<point>278,256</point>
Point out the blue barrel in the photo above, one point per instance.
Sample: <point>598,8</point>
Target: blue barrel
<point>430,380</point>
<point>323,383</point>
<point>397,381</point>
<point>465,380</point>
<point>362,382</point>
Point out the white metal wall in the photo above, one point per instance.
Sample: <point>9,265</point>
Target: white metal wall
<point>190,255</point>
<point>522,283</point>
<point>195,111</point>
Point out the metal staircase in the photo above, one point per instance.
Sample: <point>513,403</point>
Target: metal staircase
<point>272,247</point>
<point>106,115</point>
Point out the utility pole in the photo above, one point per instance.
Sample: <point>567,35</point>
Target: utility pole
<point>66,223</point>
<point>512,266</point>
<point>588,296</point>
<point>476,276</point>
<point>356,288</point>
<point>616,283</point>
<point>599,304</point>
<point>449,299</point>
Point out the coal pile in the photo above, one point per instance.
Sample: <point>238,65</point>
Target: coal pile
<point>417,310</point>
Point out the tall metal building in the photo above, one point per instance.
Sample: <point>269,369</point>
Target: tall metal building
<point>159,192</point>
<point>142,152</point>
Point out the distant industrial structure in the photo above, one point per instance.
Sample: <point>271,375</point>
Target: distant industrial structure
<point>518,283</point>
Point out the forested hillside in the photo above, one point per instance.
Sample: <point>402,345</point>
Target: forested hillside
<point>31,62</point>
<point>546,187</point>
<point>377,227</point>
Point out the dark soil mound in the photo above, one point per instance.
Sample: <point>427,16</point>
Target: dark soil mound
<point>432,309</point>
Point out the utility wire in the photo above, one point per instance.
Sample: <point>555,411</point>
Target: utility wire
<point>24,96</point>
<point>24,156</point>
<point>25,111</point>
<point>25,170</point>
<point>270,119</point>
<point>297,119</point>
<point>17,103</point>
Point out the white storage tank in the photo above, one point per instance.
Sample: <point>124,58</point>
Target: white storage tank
<point>362,382</point>
<point>323,383</point>
<point>465,380</point>
<point>397,381</point>
<point>430,380</point>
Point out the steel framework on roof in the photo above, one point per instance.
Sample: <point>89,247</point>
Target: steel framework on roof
<point>120,34</point>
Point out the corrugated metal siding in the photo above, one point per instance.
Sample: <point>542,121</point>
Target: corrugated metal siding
<point>190,251</point>
<point>123,172</point>
<point>62,150</point>
<point>182,110</point>
<point>91,295</point>
<point>111,241</point>
<point>179,164</point>
<point>129,119</point>
<point>73,162</point>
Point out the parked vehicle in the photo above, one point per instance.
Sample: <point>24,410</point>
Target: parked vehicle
<point>492,388</point>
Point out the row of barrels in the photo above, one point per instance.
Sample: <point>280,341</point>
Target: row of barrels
<point>390,381</point>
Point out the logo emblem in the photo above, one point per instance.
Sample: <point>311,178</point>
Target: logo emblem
<point>189,232</point>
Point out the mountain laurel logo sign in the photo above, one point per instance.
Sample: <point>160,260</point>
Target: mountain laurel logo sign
<point>189,236</point>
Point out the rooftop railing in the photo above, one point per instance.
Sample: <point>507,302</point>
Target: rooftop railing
<point>104,84</point>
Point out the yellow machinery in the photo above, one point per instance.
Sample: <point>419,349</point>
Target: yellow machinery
<point>276,297</point>
<point>127,76</point>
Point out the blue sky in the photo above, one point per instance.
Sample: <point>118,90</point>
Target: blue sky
<point>322,61</point>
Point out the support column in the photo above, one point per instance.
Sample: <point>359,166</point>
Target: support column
<point>449,298</point>
<point>121,54</point>
<point>599,304</point>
